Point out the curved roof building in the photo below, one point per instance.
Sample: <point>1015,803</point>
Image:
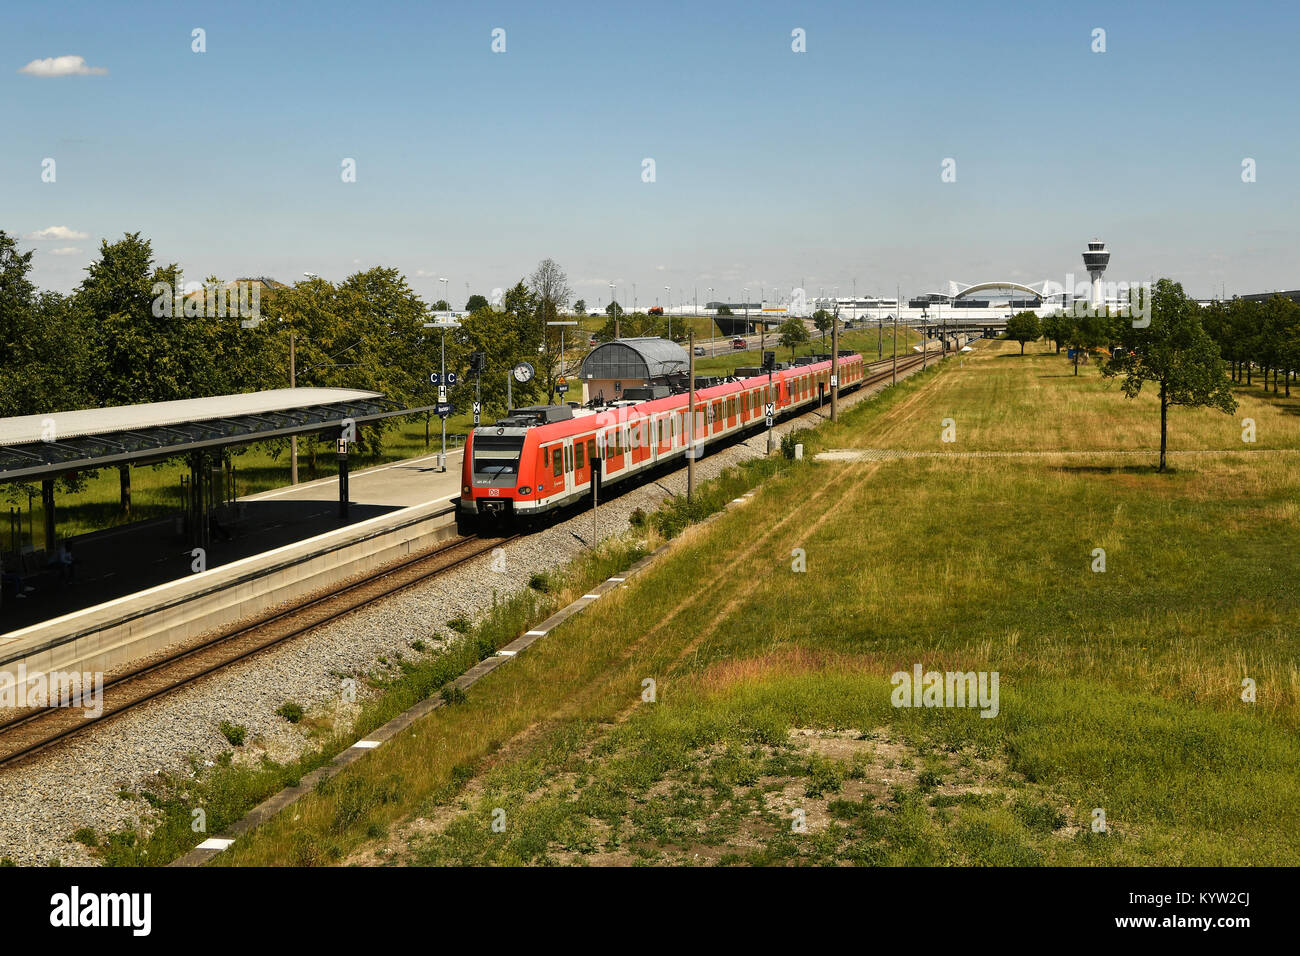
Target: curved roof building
<point>614,366</point>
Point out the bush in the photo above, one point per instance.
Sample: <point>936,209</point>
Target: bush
<point>235,733</point>
<point>638,518</point>
<point>540,581</point>
<point>1039,817</point>
<point>824,776</point>
<point>290,711</point>
<point>87,836</point>
<point>461,625</point>
<point>453,695</point>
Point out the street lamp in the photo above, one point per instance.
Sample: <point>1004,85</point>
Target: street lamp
<point>562,325</point>
<point>669,290</point>
<point>614,310</point>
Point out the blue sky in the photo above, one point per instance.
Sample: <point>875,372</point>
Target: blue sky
<point>772,167</point>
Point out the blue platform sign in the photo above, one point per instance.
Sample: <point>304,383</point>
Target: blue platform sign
<point>443,409</point>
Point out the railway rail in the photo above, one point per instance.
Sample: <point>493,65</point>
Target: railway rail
<point>30,732</point>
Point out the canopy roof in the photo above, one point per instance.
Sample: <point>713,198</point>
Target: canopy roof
<point>44,446</point>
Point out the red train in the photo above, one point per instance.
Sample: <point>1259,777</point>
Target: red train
<point>538,459</point>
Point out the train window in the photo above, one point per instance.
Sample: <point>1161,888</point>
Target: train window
<point>559,463</point>
<point>546,457</point>
<point>591,451</point>
<point>578,452</point>
<point>497,456</point>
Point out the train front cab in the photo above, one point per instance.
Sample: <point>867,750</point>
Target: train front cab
<point>489,477</point>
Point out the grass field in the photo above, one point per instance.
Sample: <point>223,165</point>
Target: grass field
<point>772,737</point>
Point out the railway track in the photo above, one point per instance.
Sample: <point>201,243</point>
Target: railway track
<point>33,731</point>
<point>30,732</point>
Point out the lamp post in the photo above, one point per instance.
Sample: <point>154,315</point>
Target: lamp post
<point>443,325</point>
<point>745,293</point>
<point>561,327</point>
<point>706,305</point>
<point>669,290</point>
<point>613,310</point>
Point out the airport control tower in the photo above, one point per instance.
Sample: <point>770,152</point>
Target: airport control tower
<point>1095,261</point>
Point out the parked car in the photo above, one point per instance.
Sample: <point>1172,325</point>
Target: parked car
<point>739,344</point>
<point>699,350</point>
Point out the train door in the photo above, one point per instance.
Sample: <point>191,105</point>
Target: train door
<point>581,466</point>
<point>639,439</point>
<point>557,475</point>
<point>613,447</point>
<point>663,429</point>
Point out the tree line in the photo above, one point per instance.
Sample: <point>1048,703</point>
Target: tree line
<point>105,343</point>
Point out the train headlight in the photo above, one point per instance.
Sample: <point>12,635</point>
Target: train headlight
<point>525,489</point>
<point>465,490</point>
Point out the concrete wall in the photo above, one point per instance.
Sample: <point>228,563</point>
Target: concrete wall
<point>109,636</point>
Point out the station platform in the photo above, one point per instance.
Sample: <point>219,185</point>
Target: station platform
<point>118,562</point>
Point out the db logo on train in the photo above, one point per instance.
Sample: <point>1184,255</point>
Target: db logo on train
<point>494,492</point>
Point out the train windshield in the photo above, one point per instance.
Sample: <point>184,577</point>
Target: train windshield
<point>497,456</point>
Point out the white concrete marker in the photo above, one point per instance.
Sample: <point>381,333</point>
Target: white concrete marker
<point>214,843</point>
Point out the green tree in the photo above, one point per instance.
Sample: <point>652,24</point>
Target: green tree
<point>614,308</point>
<point>1054,327</point>
<point>1083,329</point>
<point>822,321</point>
<point>1175,352</point>
<point>476,302</point>
<point>792,334</point>
<point>580,307</point>
<point>1024,327</point>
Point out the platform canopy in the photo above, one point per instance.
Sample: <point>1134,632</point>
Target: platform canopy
<point>53,444</point>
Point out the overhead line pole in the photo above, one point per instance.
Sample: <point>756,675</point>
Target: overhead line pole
<point>835,365</point>
<point>690,427</point>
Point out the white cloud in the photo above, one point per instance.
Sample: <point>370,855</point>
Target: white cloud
<point>62,66</point>
<point>55,232</point>
<point>65,251</point>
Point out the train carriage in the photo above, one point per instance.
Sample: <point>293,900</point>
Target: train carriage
<point>541,458</point>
